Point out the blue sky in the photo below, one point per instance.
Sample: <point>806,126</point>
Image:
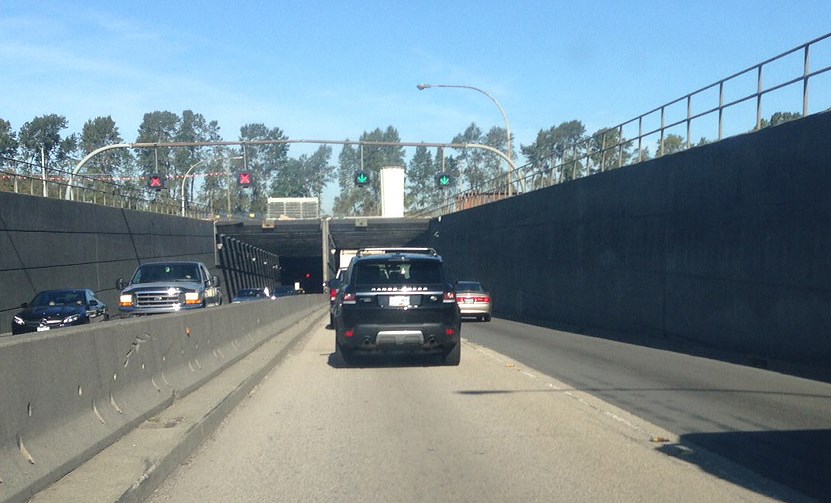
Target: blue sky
<point>332,70</point>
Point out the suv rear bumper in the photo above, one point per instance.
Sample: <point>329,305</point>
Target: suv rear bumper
<point>422,338</point>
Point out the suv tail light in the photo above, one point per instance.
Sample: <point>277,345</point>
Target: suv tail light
<point>449,297</point>
<point>349,298</point>
<point>332,294</point>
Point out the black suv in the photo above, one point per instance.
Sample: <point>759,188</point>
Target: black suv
<point>399,301</point>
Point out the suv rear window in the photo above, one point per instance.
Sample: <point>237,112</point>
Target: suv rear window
<point>417,272</point>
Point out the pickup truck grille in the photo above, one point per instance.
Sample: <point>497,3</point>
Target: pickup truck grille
<point>159,299</point>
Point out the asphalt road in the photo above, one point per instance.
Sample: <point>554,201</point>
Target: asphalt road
<point>775,424</point>
<point>492,429</point>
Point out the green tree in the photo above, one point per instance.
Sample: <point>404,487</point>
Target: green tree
<point>422,192</point>
<point>263,162</point>
<point>43,135</point>
<point>672,143</point>
<point>472,161</point>
<point>8,150</point>
<point>219,168</point>
<point>305,176</point>
<point>552,153</point>
<point>157,127</point>
<point>494,166</point>
<point>8,140</point>
<point>608,150</point>
<point>420,182</point>
<point>100,132</point>
<point>365,201</point>
<point>193,127</point>
<point>780,118</point>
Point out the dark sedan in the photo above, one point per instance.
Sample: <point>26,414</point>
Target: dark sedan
<point>284,291</point>
<point>59,308</point>
<point>250,295</point>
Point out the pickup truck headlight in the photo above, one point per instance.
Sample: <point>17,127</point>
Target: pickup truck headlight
<point>192,298</point>
<point>126,300</point>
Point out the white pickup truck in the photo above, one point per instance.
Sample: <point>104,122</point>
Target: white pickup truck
<point>168,287</point>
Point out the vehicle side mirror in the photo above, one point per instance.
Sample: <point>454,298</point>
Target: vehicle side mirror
<point>24,305</point>
<point>93,302</point>
<point>120,284</point>
<point>334,283</point>
<point>214,280</point>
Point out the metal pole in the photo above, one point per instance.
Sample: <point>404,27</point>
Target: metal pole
<point>185,182</point>
<point>228,191</point>
<point>759,98</point>
<point>43,169</point>
<point>806,70</point>
<point>324,232</point>
<point>422,87</point>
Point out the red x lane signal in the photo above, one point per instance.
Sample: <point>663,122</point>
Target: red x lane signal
<point>156,182</point>
<point>245,179</point>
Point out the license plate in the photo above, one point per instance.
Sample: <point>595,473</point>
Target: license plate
<point>468,301</point>
<point>399,301</point>
<point>42,329</point>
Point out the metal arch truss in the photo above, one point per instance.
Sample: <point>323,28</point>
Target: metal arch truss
<point>97,151</point>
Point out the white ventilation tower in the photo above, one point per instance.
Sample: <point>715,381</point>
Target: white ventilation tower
<point>392,191</point>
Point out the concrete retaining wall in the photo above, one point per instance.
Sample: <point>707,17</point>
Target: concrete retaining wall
<point>68,393</point>
<point>51,243</point>
<point>727,245</point>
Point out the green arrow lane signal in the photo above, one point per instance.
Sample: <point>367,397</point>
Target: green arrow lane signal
<point>361,178</point>
<point>443,180</point>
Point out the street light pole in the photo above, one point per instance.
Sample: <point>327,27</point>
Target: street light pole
<point>185,182</point>
<point>422,87</point>
<point>228,192</point>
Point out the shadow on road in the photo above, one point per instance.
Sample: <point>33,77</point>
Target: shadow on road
<point>386,360</point>
<point>810,476</point>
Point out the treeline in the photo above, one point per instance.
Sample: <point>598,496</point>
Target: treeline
<point>275,174</point>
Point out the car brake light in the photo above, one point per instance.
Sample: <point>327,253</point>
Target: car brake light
<point>483,299</point>
<point>450,332</point>
<point>449,297</point>
<point>333,293</point>
<point>349,333</point>
<point>349,298</point>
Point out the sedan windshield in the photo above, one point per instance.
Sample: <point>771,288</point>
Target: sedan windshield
<point>59,298</point>
<point>250,292</point>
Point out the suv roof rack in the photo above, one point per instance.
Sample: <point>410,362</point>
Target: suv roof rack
<point>379,251</point>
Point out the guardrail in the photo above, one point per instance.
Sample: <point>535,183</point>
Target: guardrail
<point>613,147</point>
<point>91,189</point>
<point>69,393</point>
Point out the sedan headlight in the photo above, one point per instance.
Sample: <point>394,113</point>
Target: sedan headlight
<point>18,320</point>
<point>72,318</point>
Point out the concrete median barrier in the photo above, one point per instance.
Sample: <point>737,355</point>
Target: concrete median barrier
<point>69,393</point>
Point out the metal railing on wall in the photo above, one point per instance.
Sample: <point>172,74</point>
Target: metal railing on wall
<point>246,266</point>
<point>29,178</point>
<point>628,142</point>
